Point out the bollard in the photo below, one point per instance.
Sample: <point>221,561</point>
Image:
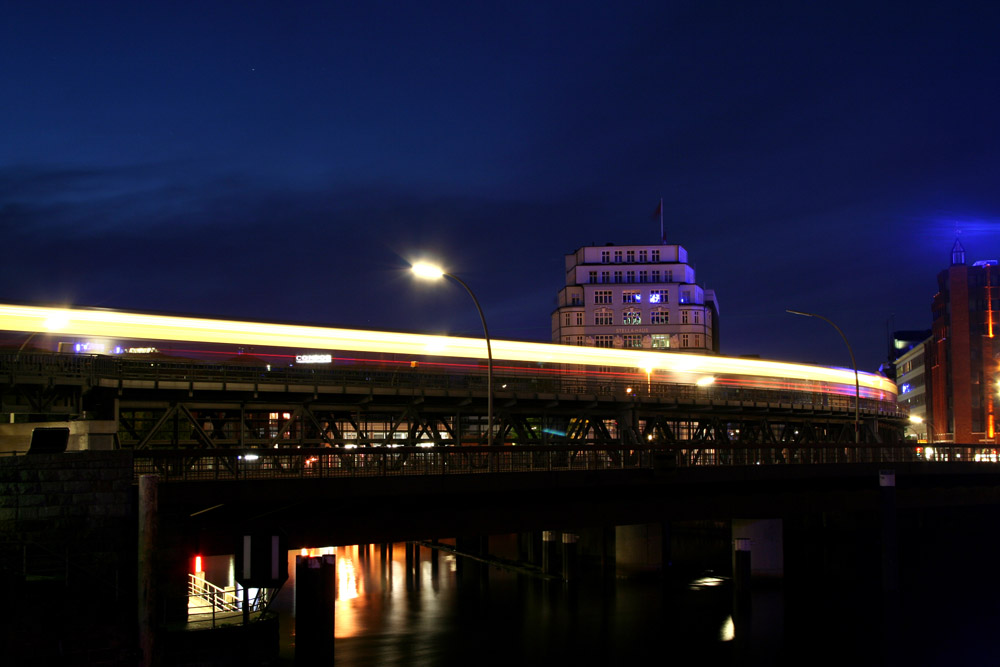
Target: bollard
<point>315,599</point>
<point>890,537</point>
<point>741,565</point>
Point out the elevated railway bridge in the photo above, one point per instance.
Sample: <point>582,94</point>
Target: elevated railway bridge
<point>171,403</point>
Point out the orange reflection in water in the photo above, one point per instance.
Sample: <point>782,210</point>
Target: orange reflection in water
<point>347,580</point>
<point>375,596</point>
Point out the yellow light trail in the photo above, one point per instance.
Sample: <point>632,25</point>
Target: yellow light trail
<point>138,326</point>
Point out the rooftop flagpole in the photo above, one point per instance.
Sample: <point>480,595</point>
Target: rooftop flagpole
<point>663,237</point>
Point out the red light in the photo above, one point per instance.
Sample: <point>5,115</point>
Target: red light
<point>197,564</point>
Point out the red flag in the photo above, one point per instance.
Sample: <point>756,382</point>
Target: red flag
<point>659,210</point>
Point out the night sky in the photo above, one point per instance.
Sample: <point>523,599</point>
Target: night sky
<point>287,161</point>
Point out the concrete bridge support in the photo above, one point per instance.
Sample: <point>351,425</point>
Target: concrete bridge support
<point>550,552</point>
<point>763,539</point>
<point>569,556</point>
<point>641,549</point>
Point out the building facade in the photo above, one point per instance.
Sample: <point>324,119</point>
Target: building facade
<point>962,367</point>
<point>635,296</point>
<point>910,374</point>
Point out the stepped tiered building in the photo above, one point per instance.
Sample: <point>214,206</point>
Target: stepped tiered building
<point>635,296</point>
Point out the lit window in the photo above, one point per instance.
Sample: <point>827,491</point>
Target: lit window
<point>660,341</point>
<point>631,317</point>
<point>659,296</point>
<point>603,318</point>
<point>659,317</point>
<point>631,296</point>
<point>686,296</point>
<point>602,296</point>
<point>632,340</point>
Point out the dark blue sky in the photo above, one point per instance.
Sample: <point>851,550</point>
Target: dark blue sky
<point>284,161</point>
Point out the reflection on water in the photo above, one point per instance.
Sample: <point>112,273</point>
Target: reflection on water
<point>436,608</point>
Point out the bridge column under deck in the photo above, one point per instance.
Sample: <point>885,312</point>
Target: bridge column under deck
<point>570,554</point>
<point>766,545</point>
<point>639,549</point>
<point>529,548</point>
<point>595,550</point>
<point>550,556</point>
<point>471,571</point>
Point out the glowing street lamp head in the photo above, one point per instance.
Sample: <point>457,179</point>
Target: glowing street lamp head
<point>705,381</point>
<point>429,271</point>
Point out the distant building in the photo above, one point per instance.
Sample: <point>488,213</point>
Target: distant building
<point>961,366</point>
<point>910,350</point>
<point>635,296</point>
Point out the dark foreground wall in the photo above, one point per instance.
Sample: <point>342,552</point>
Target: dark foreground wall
<point>67,558</point>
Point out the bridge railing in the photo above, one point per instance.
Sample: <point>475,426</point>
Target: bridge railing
<point>379,461</point>
<point>222,464</point>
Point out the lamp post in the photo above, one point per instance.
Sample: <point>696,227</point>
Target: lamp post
<point>431,272</point>
<point>854,365</point>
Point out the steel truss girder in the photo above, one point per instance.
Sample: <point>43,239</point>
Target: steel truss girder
<point>442,422</point>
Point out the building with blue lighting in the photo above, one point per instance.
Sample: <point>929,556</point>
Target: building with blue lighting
<point>635,296</point>
<point>961,369</point>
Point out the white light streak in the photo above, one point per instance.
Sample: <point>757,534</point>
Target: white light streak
<point>138,326</point>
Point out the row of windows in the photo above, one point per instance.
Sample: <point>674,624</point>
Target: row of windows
<point>630,255</point>
<point>656,296</point>
<point>642,276</point>
<point>633,317</point>
<point>635,340</point>
<point>606,317</point>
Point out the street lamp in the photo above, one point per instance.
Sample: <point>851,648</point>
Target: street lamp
<point>854,365</point>
<point>431,272</point>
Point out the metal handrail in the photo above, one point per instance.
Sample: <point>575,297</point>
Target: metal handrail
<point>207,600</point>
